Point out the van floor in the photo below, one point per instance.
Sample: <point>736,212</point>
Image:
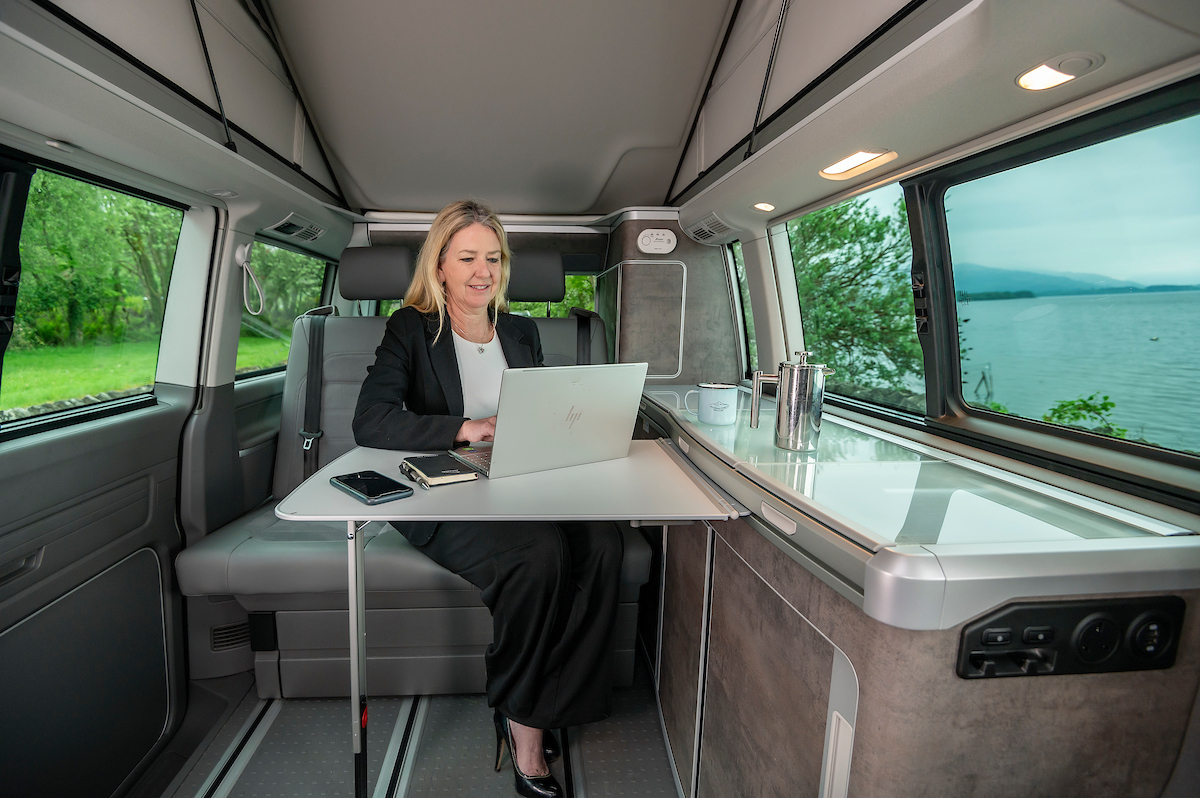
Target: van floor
<point>417,746</point>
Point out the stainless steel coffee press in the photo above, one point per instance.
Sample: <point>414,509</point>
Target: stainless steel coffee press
<point>797,402</point>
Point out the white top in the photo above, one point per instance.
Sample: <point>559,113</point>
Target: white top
<point>651,484</point>
<point>480,373</point>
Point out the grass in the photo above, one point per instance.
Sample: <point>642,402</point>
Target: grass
<point>36,376</point>
<point>261,353</point>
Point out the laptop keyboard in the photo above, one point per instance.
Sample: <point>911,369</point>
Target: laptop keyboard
<point>480,458</point>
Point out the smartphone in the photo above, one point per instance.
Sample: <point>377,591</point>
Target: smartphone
<point>371,487</point>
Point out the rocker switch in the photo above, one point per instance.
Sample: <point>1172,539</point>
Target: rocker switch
<point>1037,635</point>
<point>997,637</point>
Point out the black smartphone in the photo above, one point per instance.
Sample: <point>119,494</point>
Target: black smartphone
<point>371,487</point>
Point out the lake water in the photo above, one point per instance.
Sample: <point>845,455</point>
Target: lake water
<point>1139,349</point>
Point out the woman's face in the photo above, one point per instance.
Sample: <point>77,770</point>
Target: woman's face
<point>470,269</point>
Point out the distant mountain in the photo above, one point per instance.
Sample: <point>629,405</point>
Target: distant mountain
<point>976,279</point>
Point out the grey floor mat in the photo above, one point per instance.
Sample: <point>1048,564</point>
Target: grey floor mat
<point>307,750</point>
<point>455,751</point>
<point>622,756</point>
<point>625,755</point>
<point>216,749</point>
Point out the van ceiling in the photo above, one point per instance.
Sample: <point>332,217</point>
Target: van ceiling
<point>535,106</point>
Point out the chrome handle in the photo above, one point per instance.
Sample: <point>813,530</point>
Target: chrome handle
<point>756,394</point>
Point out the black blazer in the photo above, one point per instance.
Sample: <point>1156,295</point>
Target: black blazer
<point>412,397</point>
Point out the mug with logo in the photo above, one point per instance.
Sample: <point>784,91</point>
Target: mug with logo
<point>717,404</point>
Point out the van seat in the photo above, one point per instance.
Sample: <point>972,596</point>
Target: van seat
<point>428,626</point>
<point>539,277</point>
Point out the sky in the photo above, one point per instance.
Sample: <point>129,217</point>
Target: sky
<point>1127,208</point>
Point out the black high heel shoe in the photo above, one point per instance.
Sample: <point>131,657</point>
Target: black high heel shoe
<point>528,786</point>
<point>550,747</point>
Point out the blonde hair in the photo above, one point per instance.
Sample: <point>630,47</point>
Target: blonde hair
<point>426,293</point>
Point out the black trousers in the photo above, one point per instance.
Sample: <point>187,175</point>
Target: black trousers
<point>552,589</point>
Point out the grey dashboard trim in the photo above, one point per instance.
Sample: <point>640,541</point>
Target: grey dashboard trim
<point>914,588</point>
<point>931,587</point>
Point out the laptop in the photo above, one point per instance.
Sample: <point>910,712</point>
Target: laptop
<point>560,416</point>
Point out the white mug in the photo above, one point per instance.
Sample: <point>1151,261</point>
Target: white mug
<point>717,404</point>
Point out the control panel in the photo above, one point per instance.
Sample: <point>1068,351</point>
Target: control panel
<point>1060,637</point>
<point>657,242</point>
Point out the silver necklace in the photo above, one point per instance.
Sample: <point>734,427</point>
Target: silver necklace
<point>465,337</point>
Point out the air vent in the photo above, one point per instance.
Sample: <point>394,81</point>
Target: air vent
<point>711,230</point>
<point>233,635</point>
<point>296,226</point>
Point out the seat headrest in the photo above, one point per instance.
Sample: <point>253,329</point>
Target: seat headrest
<point>379,272</point>
<point>537,277</point>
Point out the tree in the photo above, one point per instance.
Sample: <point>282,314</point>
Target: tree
<point>95,263</point>
<point>1086,412</point>
<point>852,268</point>
<point>152,232</point>
<point>291,285</point>
<point>70,259</point>
<point>580,293</point>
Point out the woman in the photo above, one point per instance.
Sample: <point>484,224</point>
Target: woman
<point>551,587</point>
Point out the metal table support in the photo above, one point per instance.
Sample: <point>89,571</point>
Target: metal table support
<point>358,655</point>
<point>652,486</point>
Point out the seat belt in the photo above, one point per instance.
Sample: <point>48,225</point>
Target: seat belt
<point>312,397</point>
<point>583,335</point>
<point>583,349</point>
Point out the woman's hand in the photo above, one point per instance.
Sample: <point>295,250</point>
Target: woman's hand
<point>477,429</point>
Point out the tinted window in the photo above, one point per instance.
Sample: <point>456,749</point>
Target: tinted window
<point>95,267</point>
<point>853,264</point>
<point>1077,282</point>
<point>291,285</point>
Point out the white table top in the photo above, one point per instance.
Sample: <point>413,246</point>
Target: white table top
<point>648,485</point>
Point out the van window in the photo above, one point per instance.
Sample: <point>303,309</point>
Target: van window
<point>1077,286</point>
<point>853,264</point>
<point>291,285</point>
<point>581,292</point>
<point>95,267</point>
<point>739,271</point>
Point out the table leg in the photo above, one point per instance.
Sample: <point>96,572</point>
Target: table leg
<point>358,657</point>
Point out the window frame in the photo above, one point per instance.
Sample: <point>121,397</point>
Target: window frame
<point>14,161</point>
<point>739,311</point>
<point>1159,474</point>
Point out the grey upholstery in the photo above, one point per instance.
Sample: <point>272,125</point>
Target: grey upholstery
<point>537,276</point>
<point>350,343</point>
<point>560,341</point>
<point>430,627</point>
<point>374,272</point>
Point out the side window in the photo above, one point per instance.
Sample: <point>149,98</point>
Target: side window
<point>581,292</point>
<point>95,266</point>
<point>291,285</point>
<point>853,264</point>
<point>739,271</point>
<point>1077,286</point>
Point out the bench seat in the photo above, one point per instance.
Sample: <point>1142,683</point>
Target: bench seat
<point>427,628</point>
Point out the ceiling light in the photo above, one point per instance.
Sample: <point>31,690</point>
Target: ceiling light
<point>856,164</point>
<point>1057,71</point>
<point>764,206</point>
<point>1043,77</point>
<point>222,193</point>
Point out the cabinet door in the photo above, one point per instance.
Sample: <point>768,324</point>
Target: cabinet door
<point>766,693</point>
<point>685,587</point>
